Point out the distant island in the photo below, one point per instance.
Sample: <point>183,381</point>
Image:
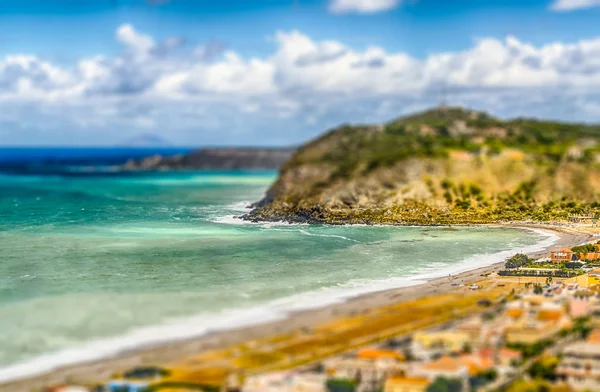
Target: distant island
<point>441,166</point>
<point>216,158</point>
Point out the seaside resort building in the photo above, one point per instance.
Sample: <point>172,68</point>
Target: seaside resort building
<point>562,255</point>
<point>286,382</point>
<point>580,366</point>
<point>427,345</point>
<point>369,367</point>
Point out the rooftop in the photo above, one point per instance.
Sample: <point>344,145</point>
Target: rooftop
<point>372,353</point>
<point>445,364</point>
<point>409,380</point>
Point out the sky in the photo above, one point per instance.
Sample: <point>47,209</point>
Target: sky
<point>279,72</point>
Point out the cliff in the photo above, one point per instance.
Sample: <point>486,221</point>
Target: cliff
<point>216,158</point>
<point>443,166</point>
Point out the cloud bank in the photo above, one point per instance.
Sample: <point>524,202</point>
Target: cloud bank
<point>211,95</point>
<point>362,6</point>
<point>571,5</point>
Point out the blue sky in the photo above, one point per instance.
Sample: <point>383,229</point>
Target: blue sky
<point>97,72</point>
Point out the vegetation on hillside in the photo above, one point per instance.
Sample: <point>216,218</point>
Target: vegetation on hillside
<point>442,166</point>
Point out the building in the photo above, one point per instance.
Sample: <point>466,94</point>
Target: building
<point>370,366</point>
<point>592,256</point>
<point>380,355</point>
<point>406,384</point>
<point>535,319</point>
<point>507,358</point>
<point>448,367</point>
<point>580,366</point>
<point>561,255</point>
<point>427,345</point>
<point>582,304</point>
<point>477,362</point>
<point>483,332</point>
<point>593,277</point>
<point>531,332</point>
<point>286,382</point>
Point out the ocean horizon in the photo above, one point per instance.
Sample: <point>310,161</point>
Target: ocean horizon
<point>93,265</point>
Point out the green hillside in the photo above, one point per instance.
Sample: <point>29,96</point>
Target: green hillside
<point>442,166</point>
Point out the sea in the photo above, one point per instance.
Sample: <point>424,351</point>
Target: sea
<point>95,261</point>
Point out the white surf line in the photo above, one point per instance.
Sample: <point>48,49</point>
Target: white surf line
<point>327,236</point>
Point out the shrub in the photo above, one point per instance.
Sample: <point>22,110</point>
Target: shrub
<point>340,385</point>
<point>443,384</point>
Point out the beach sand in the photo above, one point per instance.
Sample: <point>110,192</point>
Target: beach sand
<point>101,370</point>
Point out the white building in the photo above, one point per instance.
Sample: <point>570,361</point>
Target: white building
<point>286,382</point>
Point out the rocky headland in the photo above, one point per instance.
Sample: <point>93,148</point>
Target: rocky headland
<point>442,166</point>
<point>216,158</point>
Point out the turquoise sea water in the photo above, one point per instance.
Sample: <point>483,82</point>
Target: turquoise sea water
<point>90,265</point>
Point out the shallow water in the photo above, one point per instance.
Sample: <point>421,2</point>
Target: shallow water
<point>93,264</point>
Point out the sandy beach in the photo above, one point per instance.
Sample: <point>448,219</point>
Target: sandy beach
<point>174,352</point>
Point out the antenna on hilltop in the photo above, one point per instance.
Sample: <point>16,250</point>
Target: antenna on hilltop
<point>443,104</point>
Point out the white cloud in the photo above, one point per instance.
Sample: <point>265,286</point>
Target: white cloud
<point>212,96</point>
<point>570,5</point>
<point>133,40</point>
<point>362,6</point>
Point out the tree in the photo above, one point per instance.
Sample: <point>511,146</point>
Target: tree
<point>340,385</point>
<point>586,248</point>
<point>443,384</point>
<point>544,369</point>
<point>517,261</point>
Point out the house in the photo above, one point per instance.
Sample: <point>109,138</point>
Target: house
<point>529,331</point>
<point>593,277</point>
<point>379,354</point>
<point>445,366</point>
<point>580,366</point>
<point>286,382</point>
<point>406,384</point>
<point>582,304</point>
<point>535,319</point>
<point>369,365</point>
<point>592,256</point>
<point>506,357</point>
<point>561,255</point>
<point>426,345</point>
<point>483,333</point>
<point>477,362</point>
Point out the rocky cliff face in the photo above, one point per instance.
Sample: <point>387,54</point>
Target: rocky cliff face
<point>216,158</point>
<point>443,166</point>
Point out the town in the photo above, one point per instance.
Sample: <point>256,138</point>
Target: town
<point>533,326</point>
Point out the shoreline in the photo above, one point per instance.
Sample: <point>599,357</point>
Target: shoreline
<point>174,351</point>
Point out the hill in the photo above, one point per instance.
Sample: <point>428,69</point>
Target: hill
<point>442,166</point>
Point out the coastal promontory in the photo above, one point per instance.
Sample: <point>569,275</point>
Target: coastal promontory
<point>441,166</point>
<point>216,158</point>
